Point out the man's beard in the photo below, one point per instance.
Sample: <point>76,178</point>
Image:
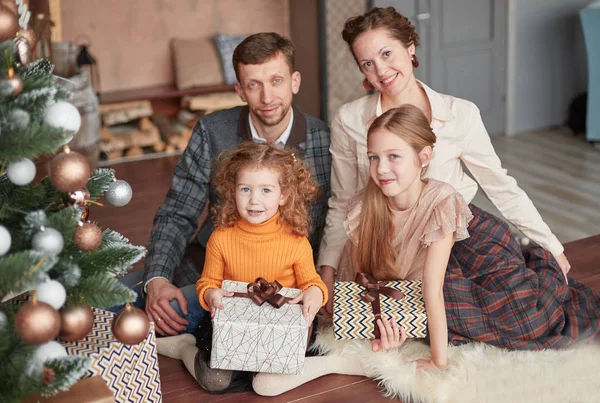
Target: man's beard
<point>274,120</point>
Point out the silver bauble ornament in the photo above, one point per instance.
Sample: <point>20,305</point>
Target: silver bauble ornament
<point>21,172</point>
<point>51,292</point>
<point>5,240</point>
<point>48,240</point>
<point>19,119</point>
<point>119,193</point>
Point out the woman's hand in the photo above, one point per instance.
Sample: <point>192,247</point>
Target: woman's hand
<point>214,299</point>
<point>392,335</point>
<point>312,299</point>
<point>564,264</point>
<point>428,365</point>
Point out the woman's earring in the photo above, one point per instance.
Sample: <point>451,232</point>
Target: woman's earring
<point>422,165</point>
<point>368,86</point>
<point>415,61</point>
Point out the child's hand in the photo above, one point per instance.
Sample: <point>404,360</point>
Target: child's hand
<point>392,335</point>
<point>213,298</point>
<point>312,299</point>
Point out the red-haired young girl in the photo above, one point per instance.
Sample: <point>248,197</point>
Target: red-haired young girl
<point>262,225</point>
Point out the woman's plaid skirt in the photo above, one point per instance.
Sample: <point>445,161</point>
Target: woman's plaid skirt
<point>498,294</point>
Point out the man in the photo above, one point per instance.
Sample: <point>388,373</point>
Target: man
<point>264,66</point>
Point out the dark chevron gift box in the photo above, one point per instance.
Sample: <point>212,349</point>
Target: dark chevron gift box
<point>353,317</point>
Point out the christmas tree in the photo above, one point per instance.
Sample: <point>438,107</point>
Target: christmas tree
<point>46,242</point>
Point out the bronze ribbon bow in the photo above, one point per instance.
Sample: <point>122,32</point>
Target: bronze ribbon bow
<point>261,291</point>
<point>373,289</point>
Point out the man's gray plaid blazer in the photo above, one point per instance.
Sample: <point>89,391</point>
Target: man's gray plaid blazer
<point>176,220</point>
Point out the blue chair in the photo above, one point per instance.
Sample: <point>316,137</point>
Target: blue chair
<point>590,20</point>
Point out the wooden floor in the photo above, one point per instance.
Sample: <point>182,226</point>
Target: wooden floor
<point>559,172</point>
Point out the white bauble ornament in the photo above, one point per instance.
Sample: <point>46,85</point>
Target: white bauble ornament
<point>64,116</point>
<point>51,292</point>
<point>5,240</point>
<point>21,172</point>
<point>19,119</point>
<point>48,240</point>
<point>119,193</point>
<point>49,351</point>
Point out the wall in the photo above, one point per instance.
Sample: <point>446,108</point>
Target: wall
<point>546,62</point>
<point>130,38</point>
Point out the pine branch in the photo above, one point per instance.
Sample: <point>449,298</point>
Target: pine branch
<point>101,291</point>
<point>68,371</point>
<point>36,140</point>
<point>99,181</point>
<point>115,260</point>
<point>24,270</point>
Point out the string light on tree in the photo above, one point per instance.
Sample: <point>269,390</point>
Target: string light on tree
<point>131,325</point>
<point>5,240</point>
<point>37,322</point>
<point>48,240</point>
<point>14,81</point>
<point>64,116</point>
<point>69,171</point>
<point>21,172</point>
<point>76,322</point>
<point>119,193</point>
<point>51,292</point>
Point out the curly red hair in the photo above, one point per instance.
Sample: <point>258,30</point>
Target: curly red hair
<point>295,180</point>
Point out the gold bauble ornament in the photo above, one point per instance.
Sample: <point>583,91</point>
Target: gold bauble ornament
<point>87,237</point>
<point>15,82</point>
<point>37,323</point>
<point>131,325</point>
<point>76,322</point>
<point>9,23</point>
<point>69,171</point>
<point>23,50</point>
<point>29,35</point>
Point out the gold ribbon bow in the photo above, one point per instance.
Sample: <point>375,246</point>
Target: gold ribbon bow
<point>261,291</point>
<point>374,289</point>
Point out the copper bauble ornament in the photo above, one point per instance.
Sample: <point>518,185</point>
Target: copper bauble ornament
<point>87,237</point>
<point>69,171</point>
<point>37,323</point>
<point>131,325</point>
<point>29,35</point>
<point>23,50</point>
<point>11,5</point>
<point>9,23</point>
<point>76,322</point>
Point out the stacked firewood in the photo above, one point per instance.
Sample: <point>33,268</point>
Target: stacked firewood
<point>127,130</point>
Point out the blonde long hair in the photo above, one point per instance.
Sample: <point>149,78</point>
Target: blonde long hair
<point>375,253</point>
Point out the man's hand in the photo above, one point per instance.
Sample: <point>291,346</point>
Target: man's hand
<point>327,275</point>
<point>214,299</point>
<point>159,294</point>
<point>312,299</point>
<point>564,264</point>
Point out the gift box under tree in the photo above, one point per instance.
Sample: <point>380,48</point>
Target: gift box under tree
<point>259,338</point>
<point>357,305</point>
<point>130,371</point>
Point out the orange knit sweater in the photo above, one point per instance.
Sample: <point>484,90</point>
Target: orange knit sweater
<point>247,251</point>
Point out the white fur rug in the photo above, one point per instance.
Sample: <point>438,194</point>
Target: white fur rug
<point>478,372</point>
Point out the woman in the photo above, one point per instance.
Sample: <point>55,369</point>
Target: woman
<point>383,43</point>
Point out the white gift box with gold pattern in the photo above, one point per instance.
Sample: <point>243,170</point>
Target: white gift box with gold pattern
<point>131,372</point>
<point>249,337</point>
